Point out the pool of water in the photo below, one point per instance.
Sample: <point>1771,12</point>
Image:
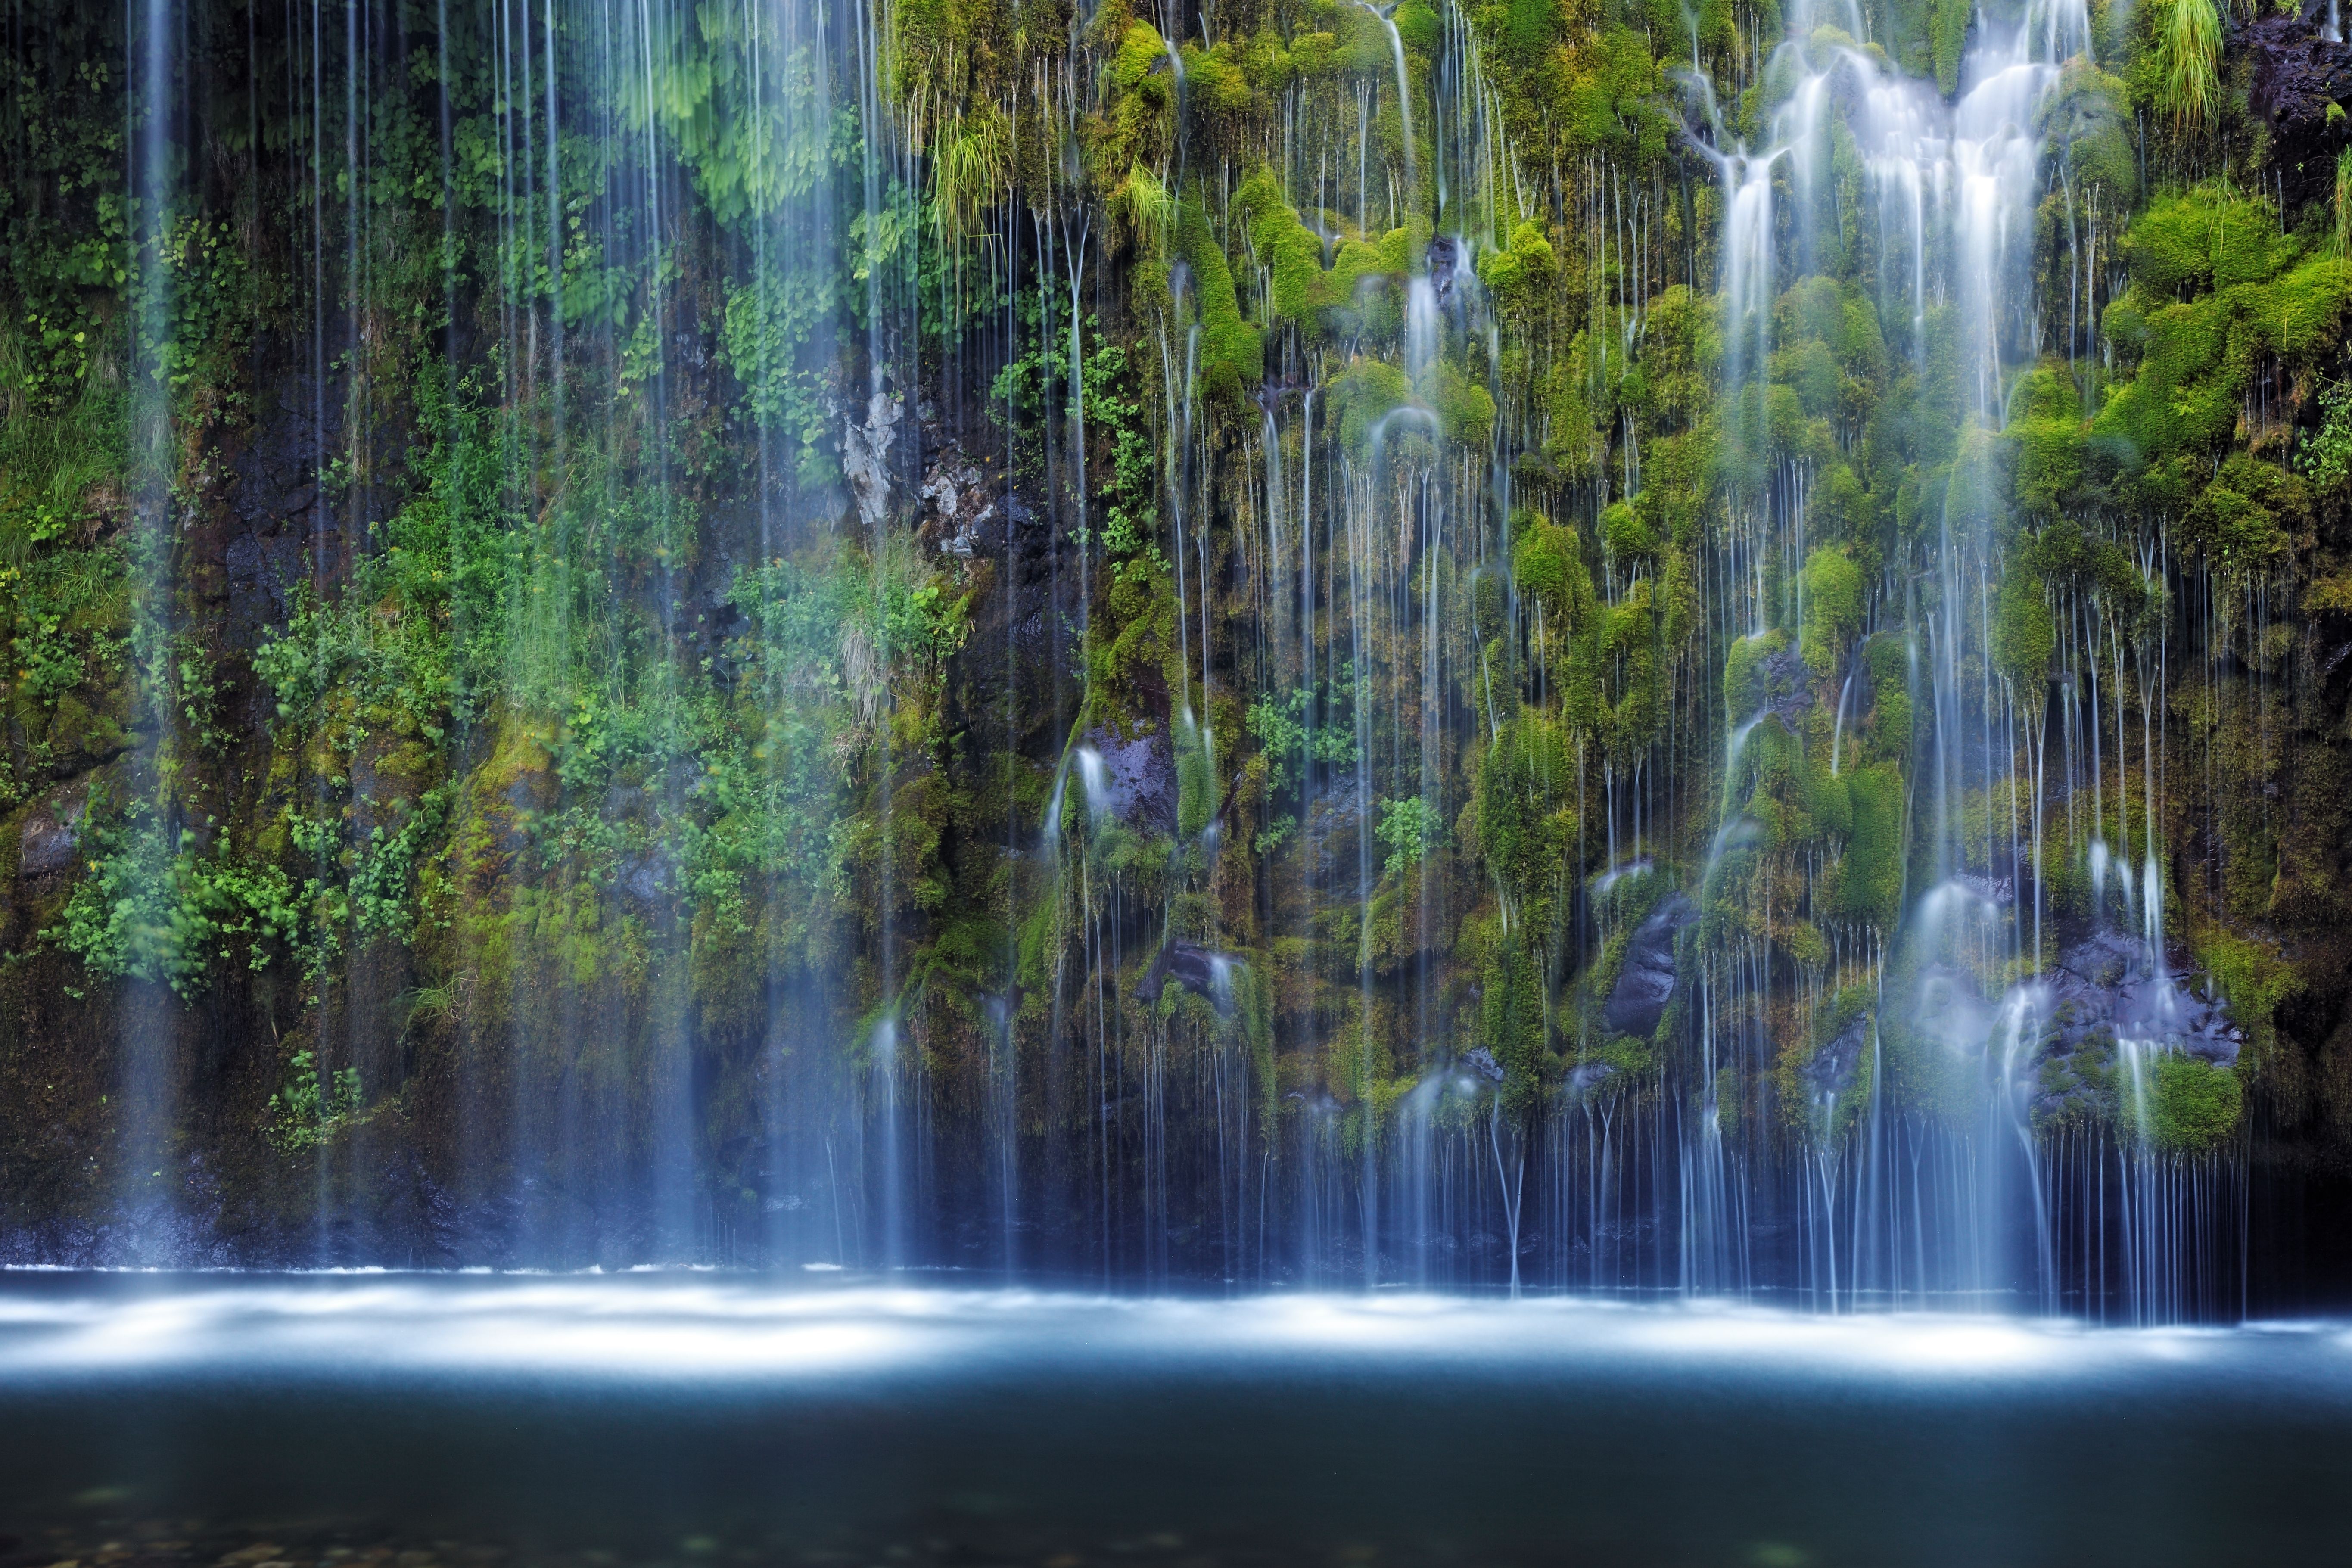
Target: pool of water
<point>678,1417</point>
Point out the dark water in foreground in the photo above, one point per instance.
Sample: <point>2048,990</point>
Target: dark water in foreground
<point>688,1418</point>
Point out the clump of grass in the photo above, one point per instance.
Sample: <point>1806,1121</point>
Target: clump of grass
<point>2188,65</point>
<point>2341,241</point>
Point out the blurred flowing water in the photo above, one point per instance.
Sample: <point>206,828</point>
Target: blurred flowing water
<point>667,1414</point>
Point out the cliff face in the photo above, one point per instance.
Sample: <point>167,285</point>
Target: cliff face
<point>1564,643</point>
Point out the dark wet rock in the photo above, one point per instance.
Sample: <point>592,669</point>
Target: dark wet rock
<point>1137,777</point>
<point>274,480</point>
<point>51,840</point>
<point>2297,76</point>
<point>1193,967</point>
<point>2109,975</point>
<point>1645,985</point>
<point>1833,1067</point>
<point>627,802</point>
<point>1331,831</point>
<point>1787,684</point>
<point>1481,1061</point>
<point>2105,990</point>
<point>1448,263</point>
<point>263,569</point>
<point>645,879</point>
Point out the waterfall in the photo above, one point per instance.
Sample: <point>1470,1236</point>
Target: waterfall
<point>809,635</point>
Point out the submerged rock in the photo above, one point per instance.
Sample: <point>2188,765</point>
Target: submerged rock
<point>1645,985</point>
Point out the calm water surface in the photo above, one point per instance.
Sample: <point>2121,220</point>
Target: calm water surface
<point>677,1417</point>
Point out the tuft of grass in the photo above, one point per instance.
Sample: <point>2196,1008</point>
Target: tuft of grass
<point>2340,242</point>
<point>971,172</point>
<point>2188,65</point>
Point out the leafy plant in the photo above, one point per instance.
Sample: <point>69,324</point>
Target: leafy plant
<point>1410,830</point>
<point>313,1106</point>
<point>2325,457</point>
<point>1280,724</point>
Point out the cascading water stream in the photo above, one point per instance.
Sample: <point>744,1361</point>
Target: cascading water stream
<point>1105,656</point>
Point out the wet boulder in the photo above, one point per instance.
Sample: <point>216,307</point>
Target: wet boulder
<point>1131,779</point>
<point>1332,831</point>
<point>2111,975</point>
<point>2104,993</point>
<point>2300,81</point>
<point>1645,983</point>
<point>1833,1068</point>
<point>51,833</point>
<point>1588,1079</point>
<point>1449,263</point>
<point>1197,969</point>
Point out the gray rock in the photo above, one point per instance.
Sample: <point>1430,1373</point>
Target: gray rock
<point>865,456</point>
<point>1332,831</point>
<point>51,840</point>
<point>2105,990</point>
<point>1137,778</point>
<point>1645,986</point>
<point>1195,968</point>
<point>1833,1067</point>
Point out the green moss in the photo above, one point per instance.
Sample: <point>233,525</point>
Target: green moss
<point>1626,535</point>
<point>1139,65</point>
<point>2047,437</point>
<point>1466,409</point>
<point>2193,1106</point>
<point>1526,809</point>
<point>1832,607</point>
<point>1418,28</point>
<point>2220,295</point>
<point>1522,276</point>
<point>1364,394</point>
<point>1549,567</point>
<point>1948,33</point>
<point>2249,515</point>
<point>1745,683</point>
<point>1233,353</point>
<point>2025,634</point>
<point>1869,880</point>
